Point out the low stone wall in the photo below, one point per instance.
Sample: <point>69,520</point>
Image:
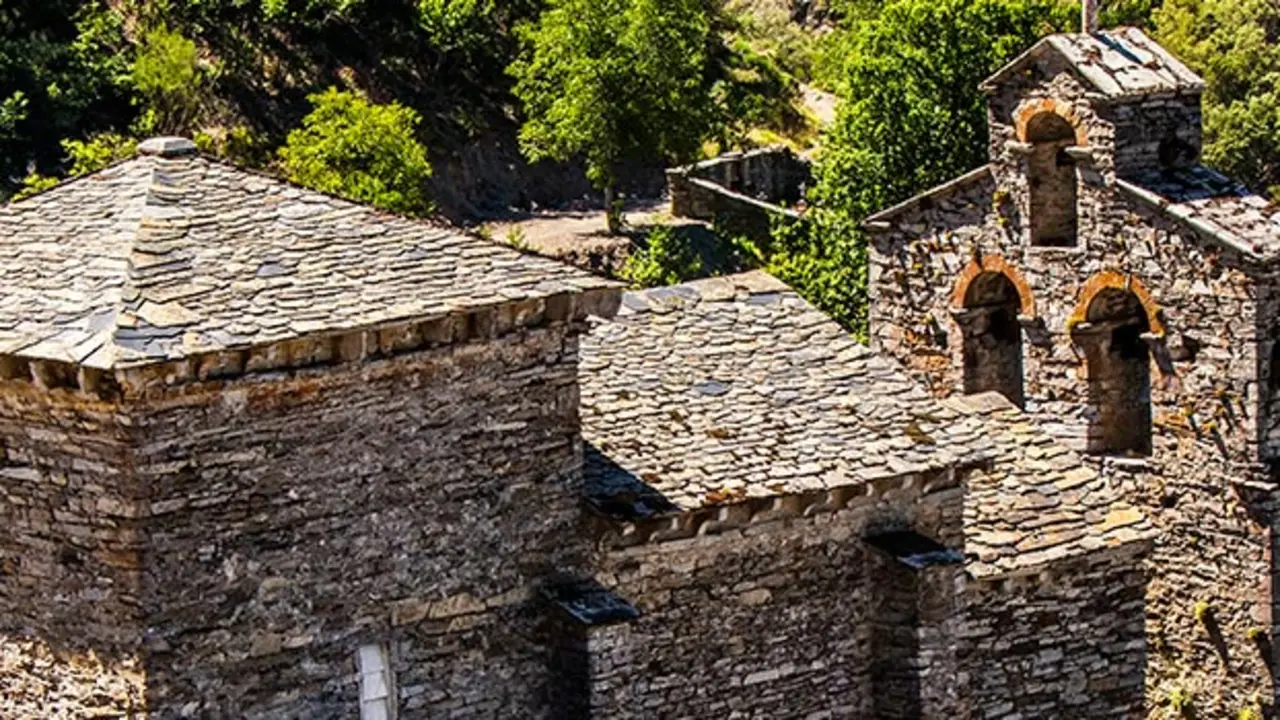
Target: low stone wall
<point>743,191</point>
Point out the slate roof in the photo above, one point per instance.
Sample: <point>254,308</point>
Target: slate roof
<point>1213,205</point>
<point>172,254</point>
<point>1038,501</point>
<point>1120,63</point>
<point>730,388</point>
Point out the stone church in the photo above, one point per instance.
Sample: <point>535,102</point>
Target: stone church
<point>272,454</point>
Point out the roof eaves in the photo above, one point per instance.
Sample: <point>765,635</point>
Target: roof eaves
<point>1209,231</point>
<point>880,220</point>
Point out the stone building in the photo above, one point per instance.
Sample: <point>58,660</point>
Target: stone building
<point>1096,275</point>
<point>271,454</point>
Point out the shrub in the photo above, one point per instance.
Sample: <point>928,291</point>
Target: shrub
<point>362,151</point>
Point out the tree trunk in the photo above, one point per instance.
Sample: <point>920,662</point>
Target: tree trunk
<point>612,209</point>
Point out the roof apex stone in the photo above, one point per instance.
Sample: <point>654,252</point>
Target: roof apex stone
<point>167,147</point>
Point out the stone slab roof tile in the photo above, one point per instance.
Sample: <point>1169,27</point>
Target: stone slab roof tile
<point>1038,501</point>
<point>732,388</point>
<point>1214,206</point>
<point>1120,63</point>
<point>172,254</point>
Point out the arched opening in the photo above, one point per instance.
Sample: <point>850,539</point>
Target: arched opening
<point>992,337</point>
<point>1119,367</point>
<point>1052,177</point>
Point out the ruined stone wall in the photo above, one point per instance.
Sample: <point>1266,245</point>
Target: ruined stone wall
<point>771,617</point>
<point>1064,643</point>
<point>1200,485</point>
<point>69,557</point>
<point>742,191</point>
<point>414,502</point>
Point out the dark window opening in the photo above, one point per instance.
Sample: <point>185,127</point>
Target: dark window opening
<point>1176,153</point>
<point>1271,428</point>
<point>1052,177</point>
<point>1119,363</point>
<point>992,337</point>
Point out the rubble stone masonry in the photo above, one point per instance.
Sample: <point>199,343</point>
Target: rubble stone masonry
<point>1202,326</point>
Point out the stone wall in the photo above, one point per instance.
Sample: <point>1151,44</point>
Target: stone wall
<point>69,556</point>
<point>1068,642</point>
<point>767,618</point>
<point>742,191</point>
<point>1200,483</point>
<point>415,501</point>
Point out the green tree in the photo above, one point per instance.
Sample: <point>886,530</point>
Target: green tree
<point>170,79</point>
<point>61,75</point>
<point>613,80</point>
<point>1234,45</point>
<point>911,117</point>
<point>359,150</point>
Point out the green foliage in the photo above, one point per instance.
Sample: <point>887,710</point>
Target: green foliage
<point>1202,610</point>
<point>667,258</point>
<point>517,239</point>
<point>912,115</point>
<point>753,91</point>
<point>824,258</point>
<point>239,144</point>
<point>1233,44</point>
<point>84,157</point>
<point>612,80</point>
<point>61,75</point>
<point>366,152</point>
<point>170,80</point>
<point>1182,702</point>
<point>1249,713</point>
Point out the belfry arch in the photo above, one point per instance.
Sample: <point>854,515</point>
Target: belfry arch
<point>989,306</point>
<point>1051,177</point>
<point>1113,333</point>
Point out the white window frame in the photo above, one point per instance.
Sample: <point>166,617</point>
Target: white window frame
<point>377,683</point>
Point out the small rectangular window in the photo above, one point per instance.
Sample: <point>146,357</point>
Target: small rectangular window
<point>377,692</point>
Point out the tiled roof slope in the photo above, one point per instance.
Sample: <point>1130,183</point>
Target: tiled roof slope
<point>1038,501</point>
<point>1214,205</point>
<point>730,388</point>
<point>1118,63</point>
<point>163,257</point>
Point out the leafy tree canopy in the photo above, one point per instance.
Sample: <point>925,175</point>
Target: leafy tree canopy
<point>1235,45</point>
<point>613,80</point>
<point>912,115</point>
<point>365,152</point>
<point>60,76</point>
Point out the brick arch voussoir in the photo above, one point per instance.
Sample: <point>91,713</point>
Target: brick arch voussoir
<point>1064,110</point>
<point>994,264</point>
<point>1115,280</point>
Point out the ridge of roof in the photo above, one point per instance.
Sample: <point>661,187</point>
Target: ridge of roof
<point>877,221</point>
<point>1120,64</point>
<point>172,254</point>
